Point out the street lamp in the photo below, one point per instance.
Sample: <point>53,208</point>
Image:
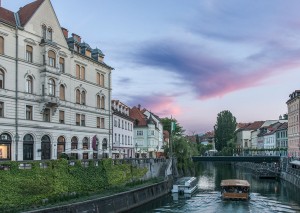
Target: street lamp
<point>156,151</point>
<point>136,146</point>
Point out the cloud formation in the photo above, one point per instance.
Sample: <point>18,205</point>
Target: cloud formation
<point>247,50</point>
<point>162,105</point>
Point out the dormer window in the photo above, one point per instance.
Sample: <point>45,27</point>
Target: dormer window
<point>88,53</point>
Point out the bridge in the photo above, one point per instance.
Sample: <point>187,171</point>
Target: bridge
<point>256,159</point>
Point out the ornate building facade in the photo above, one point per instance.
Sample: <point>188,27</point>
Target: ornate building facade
<point>55,90</point>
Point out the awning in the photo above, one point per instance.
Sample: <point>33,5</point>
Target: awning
<point>295,162</point>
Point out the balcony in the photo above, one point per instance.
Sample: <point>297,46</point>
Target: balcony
<point>49,102</point>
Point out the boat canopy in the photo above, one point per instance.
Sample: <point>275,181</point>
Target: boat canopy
<point>295,162</point>
<point>235,182</point>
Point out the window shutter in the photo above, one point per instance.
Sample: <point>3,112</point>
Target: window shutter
<point>29,48</point>
<point>51,54</point>
<point>82,73</point>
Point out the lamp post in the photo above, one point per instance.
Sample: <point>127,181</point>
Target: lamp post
<point>136,146</point>
<point>156,151</point>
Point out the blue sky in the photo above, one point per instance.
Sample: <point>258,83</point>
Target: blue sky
<point>193,59</point>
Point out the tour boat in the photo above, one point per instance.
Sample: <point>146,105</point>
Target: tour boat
<point>186,185</point>
<point>235,189</point>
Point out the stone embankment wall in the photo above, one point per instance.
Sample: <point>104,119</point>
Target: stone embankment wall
<point>284,169</point>
<point>126,200</point>
<point>116,203</point>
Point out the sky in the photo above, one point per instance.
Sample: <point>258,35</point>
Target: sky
<point>193,59</point>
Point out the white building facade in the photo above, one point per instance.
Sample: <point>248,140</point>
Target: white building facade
<point>123,146</point>
<point>54,90</point>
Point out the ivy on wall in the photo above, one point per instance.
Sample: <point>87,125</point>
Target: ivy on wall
<point>26,188</point>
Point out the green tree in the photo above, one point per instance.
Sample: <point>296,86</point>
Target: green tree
<point>166,122</point>
<point>224,129</point>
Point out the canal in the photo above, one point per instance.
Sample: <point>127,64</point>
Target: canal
<point>267,195</point>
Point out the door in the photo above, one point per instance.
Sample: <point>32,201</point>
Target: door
<point>27,151</point>
<point>46,153</point>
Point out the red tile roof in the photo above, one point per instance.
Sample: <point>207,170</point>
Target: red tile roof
<point>26,12</point>
<point>7,16</point>
<point>255,125</point>
<point>136,114</point>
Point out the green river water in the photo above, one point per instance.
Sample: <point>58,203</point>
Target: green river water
<point>267,195</point>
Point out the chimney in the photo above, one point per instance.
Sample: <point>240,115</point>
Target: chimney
<point>76,37</point>
<point>65,32</point>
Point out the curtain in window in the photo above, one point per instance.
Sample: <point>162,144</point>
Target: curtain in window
<point>62,92</point>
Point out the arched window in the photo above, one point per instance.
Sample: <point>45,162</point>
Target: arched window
<point>50,34</point>
<point>1,45</point>
<point>62,92</point>
<point>1,79</point>
<point>46,147</point>
<point>98,101</point>
<point>102,80</point>
<point>52,58</point>
<point>77,71</point>
<point>5,141</point>
<point>85,143</point>
<point>82,73</point>
<point>60,145</point>
<point>74,146</point>
<point>51,87</point>
<point>102,102</point>
<point>83,96</point>
<point>44,31</point>
<point>77,96</point>
<point>28,147</point>
<point>29,84</point>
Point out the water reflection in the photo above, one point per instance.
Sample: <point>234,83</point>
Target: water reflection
<point>266,195</point>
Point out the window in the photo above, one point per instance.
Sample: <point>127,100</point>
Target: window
<point>102,102</point>
<point>29,51</point>
<point>28,147</point>
<point>61,117</point>
<point>85,143</point>
<point>82,73</point>
<point>102,123</point>
<point>1,109</point>
<point>82,120</point>
<point>28,112</point>
<point>46,115</point>
<point>98,101</point>
<point>62,64</point>
<point>152,132</point>
<point>83,97</point>
<point>115,123</point>
<point>98,78</point>
<point>51,85</point>
<point>139,132</point>
<point>61,142</point>
<point>44,31</point>
<point>77,71</point>
<point>50,34</point>
<point>1,79</point>
<point>62,92</point>
<point>122,124</point>
<point>1,45</point>
<point>77,96</point>
<point>98,122</point>
<point>29,84</point>
<point>102,80</point>
<point>52,58</point>
<point>77,119</point>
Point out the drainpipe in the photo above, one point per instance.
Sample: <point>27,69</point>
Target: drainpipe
<point>110,114</point>
<point>17,83</point>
